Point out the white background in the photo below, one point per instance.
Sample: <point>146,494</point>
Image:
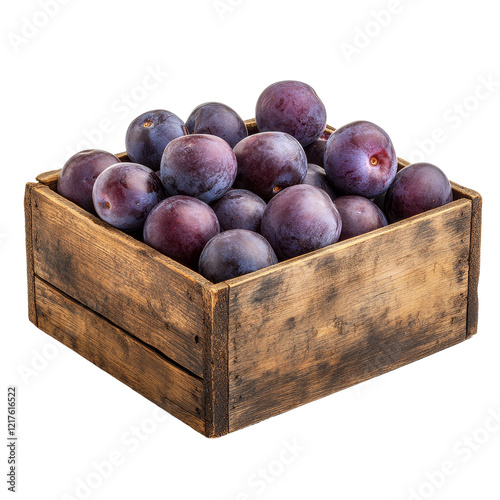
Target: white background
<point>418,70</point>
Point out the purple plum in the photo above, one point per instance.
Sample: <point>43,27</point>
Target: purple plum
<point>239,209</point>
<point>199,165</point>
<point>316,177</point>
<point>148,135</point>
<point>416,189</point>
<point>292,107</point>
<point>360,159</point>
<point>215,118</point>
<point>79,174</point>
<point>300,219</point>
<point>234,253</point>
<point>180,227</point>
<point>315,152</point>
<point>269,162</point>
<point>124,194</point>
<point>359,215</point>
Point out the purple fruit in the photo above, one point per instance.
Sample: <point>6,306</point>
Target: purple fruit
<point>124,194</point>
<point>359,215</point>
<point>215,118</point>
<point>316,177</point>
<point>416,189</point>
<point>300,219</point>
<point>269,162</point>
<point>380,201</point>
<point>315,152</point>
<point>292,107</point>
<point>200,165</point>
<point>234,253</point>
<point>239,209</point>
<point>148,136</point>
<point>79,173</point>
<point>180,227</point>
<point>360,159</point>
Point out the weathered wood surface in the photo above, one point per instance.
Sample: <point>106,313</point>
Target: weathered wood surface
<point>49,178</point>
<point>216,361</point>
<point>124,280</point>
<point>460,192</point>
<point>121,355</point>
<point>474,256</point>
<point>30,264</point>
<point>258,345</point>
<point>320,323</point>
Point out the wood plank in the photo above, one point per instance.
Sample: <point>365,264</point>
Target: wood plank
<point>474,256</point>
<point>333,318</point>
<point>252,126</point>
<point>49,178</point>
<point>216,361</point>
<point>121,355</point>
<point>460,192</point>
<point>123,157</point>
<point>120,278</point>
<point>30,265</point>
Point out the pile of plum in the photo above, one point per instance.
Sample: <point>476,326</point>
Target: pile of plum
<point>225,203</point>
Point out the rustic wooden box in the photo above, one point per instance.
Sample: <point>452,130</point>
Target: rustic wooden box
<point>224,356</point>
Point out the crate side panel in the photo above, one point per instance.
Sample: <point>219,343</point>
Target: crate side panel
<point>475,254</point>
<point>216,361</point>
<point>357,309</point>
<point>49,178</point>
<point>121,355</point>
<point>474,266</point>
<point>120,278</point>
<point>30,264</point>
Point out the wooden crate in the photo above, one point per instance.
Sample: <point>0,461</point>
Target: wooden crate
<point>224,356</point>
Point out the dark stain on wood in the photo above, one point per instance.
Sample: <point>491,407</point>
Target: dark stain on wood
<point>146,296</point>
<point>118,353</point>
<point>393,300</point>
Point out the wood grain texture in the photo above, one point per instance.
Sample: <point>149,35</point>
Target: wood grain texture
<point>121,355</point>
<point>30,265</point>
<point>461,192</point>
<point>134,286</point>
<point>343,314</point>
<point>49,178</point>
<point>123,156</point>
<point>251,126</point>
<point>216,361</point>
<point>474,256</point>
